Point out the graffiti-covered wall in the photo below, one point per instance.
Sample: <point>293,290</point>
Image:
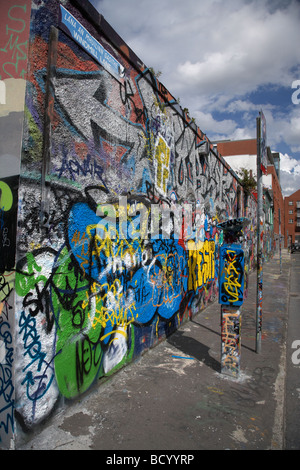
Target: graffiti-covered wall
<point>119,198</point>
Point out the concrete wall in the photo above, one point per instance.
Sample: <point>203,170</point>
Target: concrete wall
<point>107,154</point>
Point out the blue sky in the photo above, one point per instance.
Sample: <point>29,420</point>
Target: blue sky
<point>225,60</point>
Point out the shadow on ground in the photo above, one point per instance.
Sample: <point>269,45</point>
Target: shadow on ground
<point>192,347</point>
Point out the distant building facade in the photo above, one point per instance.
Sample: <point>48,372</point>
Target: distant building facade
<point>292,219</point>
<point>241,154</point>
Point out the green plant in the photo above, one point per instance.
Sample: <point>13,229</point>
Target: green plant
<point>248,181</point>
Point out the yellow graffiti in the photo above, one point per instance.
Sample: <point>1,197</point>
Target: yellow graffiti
<point>162,160</point>
<point>79,239</point>
<point>92,245</point>
<point>165,277</point>
<point>231,283</point>
<point>201,263</point>
<point>110,308</point>
<point>230,340</point>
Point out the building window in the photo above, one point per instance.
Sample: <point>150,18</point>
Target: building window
<point>291,212</point>
<point>291,203</point>
<point>291,221</point>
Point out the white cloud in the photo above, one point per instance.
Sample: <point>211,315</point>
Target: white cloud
<point>238,47</point>
<point>293,133</point>
<point>213,54</point>
<point>241,106</point>
<point>289,164</point>
<point>289,174</point>
<point>284,127</point>
<point>220,46</point>
<point>211,47</point>
<point>209,125</point>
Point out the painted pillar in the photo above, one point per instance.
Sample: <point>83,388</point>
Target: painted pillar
<point>231,294</point>
<point>261,168</point>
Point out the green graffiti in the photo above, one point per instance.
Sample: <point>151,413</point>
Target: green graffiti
<point>26,280</point>
<point>78,307</point>
<point>6,197</point>
<point>78,349</point>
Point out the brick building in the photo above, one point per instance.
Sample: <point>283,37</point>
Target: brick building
<point>292,219</point>
<point>243,154</point>
<point>237,147</point>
